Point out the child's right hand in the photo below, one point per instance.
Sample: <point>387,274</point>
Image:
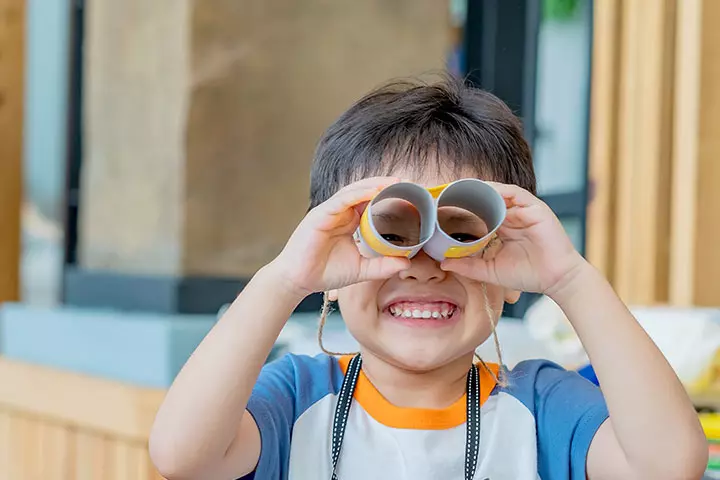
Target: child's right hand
<point>321,254</point>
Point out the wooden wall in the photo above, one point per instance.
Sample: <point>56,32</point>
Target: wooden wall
<point>32,447</point>
<point>12,46</point>
<point>62,426</point>
<point>653,218</point>
<point>695,242</point>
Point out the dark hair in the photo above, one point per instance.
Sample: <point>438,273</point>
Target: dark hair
<point>416,125</point>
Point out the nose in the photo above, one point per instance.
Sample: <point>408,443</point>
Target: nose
<point>423,268</point>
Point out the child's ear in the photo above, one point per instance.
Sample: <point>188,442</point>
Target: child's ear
<point>332,295</point>
<point>511,296</point>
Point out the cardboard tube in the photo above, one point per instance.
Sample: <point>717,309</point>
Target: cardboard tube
<point>370,241</point>
<point>478,198</point>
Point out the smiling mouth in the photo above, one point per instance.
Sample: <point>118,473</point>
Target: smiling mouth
<point>423,310</point>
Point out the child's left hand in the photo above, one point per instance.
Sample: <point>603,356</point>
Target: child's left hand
<point>535,254</point>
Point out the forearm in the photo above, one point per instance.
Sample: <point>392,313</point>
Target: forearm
<point>201,413</point>
<point>651,414</point>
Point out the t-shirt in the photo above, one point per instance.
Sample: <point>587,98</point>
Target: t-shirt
<point>539,426</point>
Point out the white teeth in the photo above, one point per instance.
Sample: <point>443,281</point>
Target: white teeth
<point>445,312</point>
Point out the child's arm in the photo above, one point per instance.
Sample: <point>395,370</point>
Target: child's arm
<point>653,431</point>
<point>202,429</point>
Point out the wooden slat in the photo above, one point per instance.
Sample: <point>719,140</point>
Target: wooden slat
<point>607,30</point>
<point>144,469</point>
<point>16,463</point>
<point>707,253</point>
<point>55,451</point>
<point>685,152</point>
<point>132,462</point>
<point>627,145</point>
<point>71,466</point>
<point>32,449</point>
<point>5,442</point>
<point>696,169</point>
<point>90,456</point>
<point>93,404</point>
<point>125,461</point>
<point>641,262</point>
<point>12,34</point>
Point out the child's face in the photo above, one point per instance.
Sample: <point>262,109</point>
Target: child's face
<point>382,315</point>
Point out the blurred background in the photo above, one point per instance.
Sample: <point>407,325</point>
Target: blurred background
<point>155,154</point>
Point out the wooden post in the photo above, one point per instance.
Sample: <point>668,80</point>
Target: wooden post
<point>654,221</point>
<point>604,135</point>
<point>12,35</point>
<point>631,146</point>
<point>642,233</point>
<point>696,158</point>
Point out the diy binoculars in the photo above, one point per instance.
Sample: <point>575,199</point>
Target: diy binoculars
<point>449,221</point>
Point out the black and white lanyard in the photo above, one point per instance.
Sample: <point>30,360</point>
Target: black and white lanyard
<point>345,398</point>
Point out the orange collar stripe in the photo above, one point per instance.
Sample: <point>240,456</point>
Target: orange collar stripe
<point>393,416</point>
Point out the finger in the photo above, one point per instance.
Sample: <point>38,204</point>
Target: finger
<point>514,195</point>
<point>360,207</point>
<point>356,194</point>
<point>348,200</point>
<point>352,223</point>
<point>523,217</point>
<point>369,183</point>
<point>474,268</point>
<point>380,268</point>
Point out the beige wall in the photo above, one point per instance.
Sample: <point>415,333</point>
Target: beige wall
<point>203,116</point>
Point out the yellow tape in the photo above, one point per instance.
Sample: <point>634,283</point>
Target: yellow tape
<point>436,191</point>
<point>460,251</point>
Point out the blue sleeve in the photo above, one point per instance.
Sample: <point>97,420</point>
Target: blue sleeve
<point>568,411</point>
<point>284,390</point>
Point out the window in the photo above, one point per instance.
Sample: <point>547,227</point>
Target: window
<point>535,55</point>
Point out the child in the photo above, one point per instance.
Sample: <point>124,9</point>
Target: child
<point>414,405</point>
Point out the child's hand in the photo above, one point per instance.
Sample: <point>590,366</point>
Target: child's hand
<point>321,254</point>
<point>535,254</point>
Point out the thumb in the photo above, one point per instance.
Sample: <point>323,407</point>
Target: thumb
<point>380,268</point>
<point>474,268</point>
